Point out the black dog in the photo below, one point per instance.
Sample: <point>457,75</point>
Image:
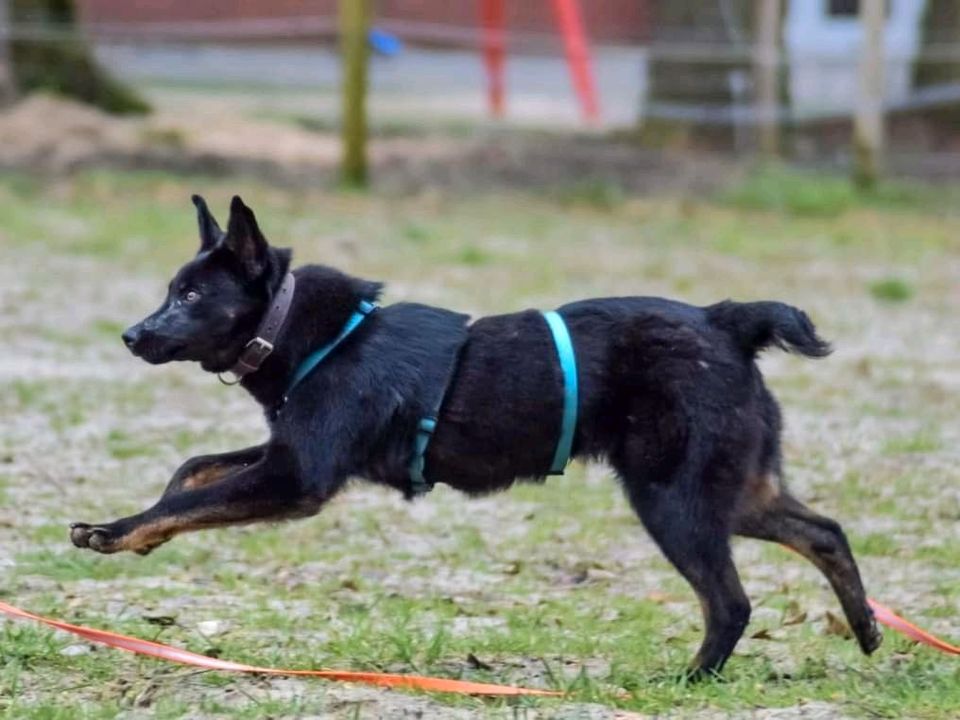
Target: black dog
<point>670,396</point>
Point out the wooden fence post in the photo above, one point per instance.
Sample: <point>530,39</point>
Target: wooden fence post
<point>868,130</point>
<point>766,74</point>
<point>354,26</point>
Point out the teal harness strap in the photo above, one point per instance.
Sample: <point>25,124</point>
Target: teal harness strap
<point>428,424</point>
<point>568,364</point>
<point>419,485</point>
<point>318,355</point>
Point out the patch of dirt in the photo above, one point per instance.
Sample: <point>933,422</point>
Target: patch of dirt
<point>51,135</point>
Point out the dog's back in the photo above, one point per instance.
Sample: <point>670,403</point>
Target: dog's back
<point>652,373</point>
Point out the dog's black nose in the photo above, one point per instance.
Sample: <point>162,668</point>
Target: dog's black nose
<point>130,336</point>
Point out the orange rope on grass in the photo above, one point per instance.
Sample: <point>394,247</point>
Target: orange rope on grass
<point>886,616</point>
<point>185,657</point>
<point>149,648</point>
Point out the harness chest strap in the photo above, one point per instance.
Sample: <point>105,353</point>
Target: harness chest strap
<point>317,356</point>
<point>419,485</point>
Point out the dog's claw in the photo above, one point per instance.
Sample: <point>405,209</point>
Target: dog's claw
<point>871,638</point>
<point>79,534</point>
<point>98,539</point>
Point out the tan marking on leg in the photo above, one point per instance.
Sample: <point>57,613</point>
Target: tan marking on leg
<point>759,493</point>
<point>206,476</point>
<point>150,534</point>
<point>147,536</point>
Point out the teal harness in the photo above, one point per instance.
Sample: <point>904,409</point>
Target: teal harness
<point>318,355</point>
<point>427,425</point>
<point>571,392</point>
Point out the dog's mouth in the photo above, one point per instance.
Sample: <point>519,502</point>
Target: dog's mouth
<point>158,355</point>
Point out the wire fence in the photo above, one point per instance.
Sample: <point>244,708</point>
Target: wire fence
<point>701,82</point>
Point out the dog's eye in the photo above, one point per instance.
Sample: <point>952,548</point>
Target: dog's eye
<point>191,296</point>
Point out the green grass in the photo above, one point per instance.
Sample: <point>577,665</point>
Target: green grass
<point>553,585</point>
<point>776,189</point>
<point>822,195</point>
<point>595,193</point>
<point>923,441</point>
<point>892,290</point>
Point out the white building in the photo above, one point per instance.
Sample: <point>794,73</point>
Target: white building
<point>822,42</point>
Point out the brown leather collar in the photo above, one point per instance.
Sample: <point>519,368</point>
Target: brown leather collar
<point>260,347</point>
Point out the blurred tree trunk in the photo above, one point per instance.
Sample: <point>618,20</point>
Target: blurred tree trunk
<point>51,55</point>
<point>868,121</point>
<point>8,89</point>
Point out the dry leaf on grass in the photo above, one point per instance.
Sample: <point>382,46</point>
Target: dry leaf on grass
<point>836,626</point>
<point>161,620</point>
<point>477,664</point>
<point>793,615</point>
<point>660,598</point>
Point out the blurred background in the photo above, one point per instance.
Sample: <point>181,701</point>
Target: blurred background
<point>488,156</point>
<point>737,76</point>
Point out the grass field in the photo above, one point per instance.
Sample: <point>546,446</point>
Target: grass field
<point>552,585</point>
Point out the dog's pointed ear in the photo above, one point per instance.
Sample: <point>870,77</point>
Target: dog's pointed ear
<point>210,232</point>
<point>245,240</point>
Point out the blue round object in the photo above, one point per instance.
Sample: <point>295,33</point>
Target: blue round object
<point>385,43</point>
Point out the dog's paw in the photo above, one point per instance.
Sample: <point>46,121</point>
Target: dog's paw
<point>697,674</point>
<point>869,636</point>
<point>99,538</point>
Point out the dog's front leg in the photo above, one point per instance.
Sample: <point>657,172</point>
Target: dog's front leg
<point>205,470</point>
<point>267,490</point>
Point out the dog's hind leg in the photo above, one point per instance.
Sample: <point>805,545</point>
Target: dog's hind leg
<point>694,536</point>
<point>768,512</point>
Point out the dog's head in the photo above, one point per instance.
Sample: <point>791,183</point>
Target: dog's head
<point>214,302</point>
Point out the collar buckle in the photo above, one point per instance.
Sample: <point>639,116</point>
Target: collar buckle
<point>252,357</point>
<point>257,350</point>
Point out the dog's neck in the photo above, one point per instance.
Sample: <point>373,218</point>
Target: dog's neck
<point>323,302</point>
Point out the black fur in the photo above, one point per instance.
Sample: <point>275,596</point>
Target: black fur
<point>670,396</point>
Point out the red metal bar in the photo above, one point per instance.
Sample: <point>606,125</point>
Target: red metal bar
<point>493,19</point>
<point>578,57</point>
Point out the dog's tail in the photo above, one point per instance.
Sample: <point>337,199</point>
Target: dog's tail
<point>756,326</point>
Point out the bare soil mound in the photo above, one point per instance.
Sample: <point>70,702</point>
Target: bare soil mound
<point>51,135</point>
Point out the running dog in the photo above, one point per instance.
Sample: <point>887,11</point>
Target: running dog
<point>668,394</point>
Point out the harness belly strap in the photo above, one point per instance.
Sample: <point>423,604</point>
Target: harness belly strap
<point>568,364</point>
